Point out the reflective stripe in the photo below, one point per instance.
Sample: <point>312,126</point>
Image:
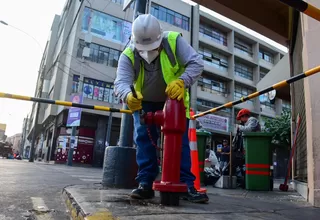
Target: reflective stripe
<point>192,123</point>
<point>193,146</point>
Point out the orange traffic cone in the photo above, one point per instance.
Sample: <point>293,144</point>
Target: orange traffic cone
<point>192,133</point>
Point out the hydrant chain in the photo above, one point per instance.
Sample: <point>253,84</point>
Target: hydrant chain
<point>152,142</point>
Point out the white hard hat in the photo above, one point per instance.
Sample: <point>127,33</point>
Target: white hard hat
<point>146,32</point>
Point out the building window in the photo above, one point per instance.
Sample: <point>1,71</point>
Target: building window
<point>214,58</point>
<point>106,26</point>
<point>263,73</point>
<point>98,90</point>
<point>243,71</point>
<point>169,16</point>
<point>212,86</point>
<point>76,84</point>
<point>100,54</point>
<point>240,91</point>
<point>243,47</point>
<point>120,2</point>
<point>264,55</point>
<point>209,104</point>
<point>267,105</point>
<point>213,34</point>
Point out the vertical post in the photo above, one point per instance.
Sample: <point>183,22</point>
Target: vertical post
<point>194,28</point>
<point>126,133</point>
<point>32,149</point>
<point>110,122</point>
<point>71,147</point>
<point>52,140</point>
<point>122,175</point>
<point>230,161</point>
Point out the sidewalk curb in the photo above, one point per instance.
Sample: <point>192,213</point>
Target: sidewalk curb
<point>77,213</point>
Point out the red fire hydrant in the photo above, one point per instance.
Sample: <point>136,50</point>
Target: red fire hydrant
<point>173,125</point>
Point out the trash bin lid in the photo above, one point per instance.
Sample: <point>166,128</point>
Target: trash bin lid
<point>257,134</point>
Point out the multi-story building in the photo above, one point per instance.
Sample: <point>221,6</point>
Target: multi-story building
<point>84,60</point>
<point>15,140</point>
<point>3,132</point>
<point>25,144</point>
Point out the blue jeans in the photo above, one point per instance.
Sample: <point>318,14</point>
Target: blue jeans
<point>147,153</point>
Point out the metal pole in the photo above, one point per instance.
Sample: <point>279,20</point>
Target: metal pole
<point>230,159</point>
<point>195,44</point>
<point>71,145</point>
<point>52,139</point>
<point>122,175</point>
<point>32,149</point>
<point>276,86</point>
<point>35,40</point>
<point>304,7</point>
<point>126,133</point>
<point>63,103</point>
<point>109,128</point>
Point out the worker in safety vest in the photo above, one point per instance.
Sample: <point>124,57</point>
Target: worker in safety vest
<point>160,65</point>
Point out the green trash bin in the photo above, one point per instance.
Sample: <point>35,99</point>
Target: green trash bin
<point>258,150</point>
<point>201,144</point>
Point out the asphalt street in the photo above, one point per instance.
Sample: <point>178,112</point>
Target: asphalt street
<point>33,190</point>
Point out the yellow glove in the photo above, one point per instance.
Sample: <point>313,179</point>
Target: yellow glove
<point>133,103</point>
<point>175,89</point>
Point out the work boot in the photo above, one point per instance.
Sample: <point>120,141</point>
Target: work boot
<point>194,196</point>
<point>142,192</point>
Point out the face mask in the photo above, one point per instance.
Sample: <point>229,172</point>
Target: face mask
<point>149,56</point>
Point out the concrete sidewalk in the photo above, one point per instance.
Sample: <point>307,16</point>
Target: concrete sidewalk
<point>94,202</point>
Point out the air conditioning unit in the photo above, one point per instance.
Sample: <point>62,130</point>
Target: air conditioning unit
<point>86,52</point>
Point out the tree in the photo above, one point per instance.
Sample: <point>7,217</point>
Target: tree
<point>281,128</point>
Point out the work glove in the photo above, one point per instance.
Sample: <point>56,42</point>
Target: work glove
<point>133,103</point>
<point>175,89</point>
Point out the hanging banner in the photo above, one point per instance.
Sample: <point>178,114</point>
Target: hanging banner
<point>74,115</point>
<point>214,122</point>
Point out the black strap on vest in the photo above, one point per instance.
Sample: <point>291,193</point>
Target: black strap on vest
<point>137,62</point>
<point>166,47</point>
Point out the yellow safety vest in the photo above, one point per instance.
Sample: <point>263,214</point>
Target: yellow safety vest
<point>170,67</point>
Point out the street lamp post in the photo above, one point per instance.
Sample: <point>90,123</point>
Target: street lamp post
<point>6,24</point>
<point>41,77</point>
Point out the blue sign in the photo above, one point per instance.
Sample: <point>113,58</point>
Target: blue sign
<point>74,115</point>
